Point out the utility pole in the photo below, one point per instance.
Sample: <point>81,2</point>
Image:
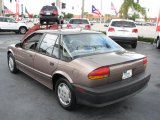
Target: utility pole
<point>1,8</point>
<point>82,15</point>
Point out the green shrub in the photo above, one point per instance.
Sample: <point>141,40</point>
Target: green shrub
<point>143,39</point>
<point>146,39</point>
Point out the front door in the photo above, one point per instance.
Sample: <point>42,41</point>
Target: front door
<point>25,55</point>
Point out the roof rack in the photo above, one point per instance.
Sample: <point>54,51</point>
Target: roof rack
<point>36,27</point>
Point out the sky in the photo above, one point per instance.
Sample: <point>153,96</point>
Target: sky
<point>74,6</point>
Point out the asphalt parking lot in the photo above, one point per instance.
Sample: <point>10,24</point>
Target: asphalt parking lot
<point>22,98</point>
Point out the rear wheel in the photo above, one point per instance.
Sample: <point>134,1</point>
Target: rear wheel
<point>22,30</point>
<point>158,44</point>
<point>12,64</point>
<point>41,22</point>
<point>65,94</point>
<point>134,45</point>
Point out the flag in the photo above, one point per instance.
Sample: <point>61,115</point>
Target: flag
<point>7,11</point>
<point>113,8</point>
<point>26,11</point>
<point>95,11</point>
<point>158,22</point>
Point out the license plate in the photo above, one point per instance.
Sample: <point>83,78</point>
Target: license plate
<point>127,74</point>
<point>48,13</point>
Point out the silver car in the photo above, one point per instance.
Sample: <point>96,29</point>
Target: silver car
<point>83,67</point>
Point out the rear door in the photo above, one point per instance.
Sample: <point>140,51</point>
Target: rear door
<point>46,59</point>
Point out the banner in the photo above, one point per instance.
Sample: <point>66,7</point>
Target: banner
<point>158,22</point>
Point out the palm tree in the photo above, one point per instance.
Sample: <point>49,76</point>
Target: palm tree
<point>127,4</point>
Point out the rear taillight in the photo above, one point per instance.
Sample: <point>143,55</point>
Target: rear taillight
<point>55,12</point>
<point>99,73</point>
<point>41,12</point>
<point>110,29</point>
<point>135,30</point>
<point>145,61</point>
<point>87,27</point>
<point>69,26</point>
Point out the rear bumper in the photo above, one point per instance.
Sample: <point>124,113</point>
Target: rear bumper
<point>49,18</point>
<point>128,40</point>
<point>111,93</point>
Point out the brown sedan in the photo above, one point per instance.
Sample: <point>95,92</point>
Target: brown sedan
<point>83,67</point>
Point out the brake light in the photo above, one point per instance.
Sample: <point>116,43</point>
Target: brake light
<point>87,27</point>
<point>135,30</point>
<point>145,61</point>
<point>55,12</point>
<point>69,26</point>
<point>99,73</point>
<point>41,12</point>
<point>110,29</point>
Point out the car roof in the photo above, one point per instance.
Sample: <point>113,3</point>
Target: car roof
<point>79,19</point>
<point>67,31</point>
<point>122,20</point>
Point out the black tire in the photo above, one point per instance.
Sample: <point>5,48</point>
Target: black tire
<point>63,84</point>
<point>134,45</point>
<point>17,32</point>
<point>158,44</point>
<point>22,30</point>
<point>41,22</point>
<point>12,64</point>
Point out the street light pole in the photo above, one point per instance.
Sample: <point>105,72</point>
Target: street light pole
<point>82,15</point>
<point>1,7</point>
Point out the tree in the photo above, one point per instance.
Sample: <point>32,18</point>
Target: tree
<point>130,4</point>
<point>68,15</point>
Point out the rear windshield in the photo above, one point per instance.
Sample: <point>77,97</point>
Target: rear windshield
<point>78,21</point>
<point>49,8</point>
<point>123,24</point>
<point>80,45</point>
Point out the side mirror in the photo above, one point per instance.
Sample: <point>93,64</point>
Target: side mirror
<point>19,45</point>
<point>105,25</point>
<point>91,24</point>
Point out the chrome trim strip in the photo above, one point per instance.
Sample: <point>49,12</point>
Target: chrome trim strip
<point>49,76</point>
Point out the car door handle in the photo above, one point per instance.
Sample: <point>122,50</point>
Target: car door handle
<point>51,63</point>
<point>30,55</point>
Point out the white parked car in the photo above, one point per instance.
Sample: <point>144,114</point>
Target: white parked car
<point>123,31</point>
<point>79,23</point>
<point>8,24</point>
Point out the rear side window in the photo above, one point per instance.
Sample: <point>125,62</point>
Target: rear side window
<point>49,8</point>
<point>123,24</point>
<point>78,21</point>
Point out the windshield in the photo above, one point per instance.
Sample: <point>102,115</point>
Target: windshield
<point>80,45</point>
<point>123,24</point>
<point>78,21</point>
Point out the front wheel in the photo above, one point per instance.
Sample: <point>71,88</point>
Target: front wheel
<point>158,44</point>
<point>65,94</point>
<point>12,64</point>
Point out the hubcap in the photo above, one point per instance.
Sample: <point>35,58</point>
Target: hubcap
<point>23,30</point>
<point>158,43</point>
<point>64,94</point>
<point>11,64</point>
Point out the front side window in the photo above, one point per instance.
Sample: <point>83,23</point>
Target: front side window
<point>48,44</point>
<point>79,45</point>
<point>32,41</point>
